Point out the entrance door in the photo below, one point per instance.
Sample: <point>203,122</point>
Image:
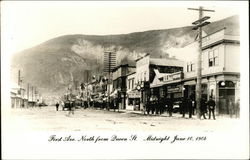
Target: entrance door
<point>226,93</point>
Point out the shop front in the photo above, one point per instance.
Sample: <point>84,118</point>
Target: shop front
<point>133,100</point>
<point>174,92</point>
<point>224,89</point>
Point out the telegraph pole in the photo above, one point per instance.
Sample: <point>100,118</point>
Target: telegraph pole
<point>199,24</point>
<point>19,77</point>
<point>28,93</point>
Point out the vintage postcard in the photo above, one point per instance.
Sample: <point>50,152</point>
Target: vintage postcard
<point>125,80</point>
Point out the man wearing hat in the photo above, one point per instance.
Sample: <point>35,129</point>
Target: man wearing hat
<point>211,107</point>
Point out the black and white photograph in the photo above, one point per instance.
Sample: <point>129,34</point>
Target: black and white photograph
<point>125,80</point>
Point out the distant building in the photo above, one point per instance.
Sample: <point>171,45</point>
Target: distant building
<point>18,99</point>
<point>119,75</point>
<point>133,95</point>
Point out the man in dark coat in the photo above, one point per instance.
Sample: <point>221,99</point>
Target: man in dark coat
<point>203,108</point>
<point>170,107</point>
<point>190,107</point>
<point>57,106</point>
<point>211,107</point>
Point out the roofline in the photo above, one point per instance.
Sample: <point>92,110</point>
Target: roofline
<point>195,40</point>
<point>167,65</point>
<point>147,54</point>
<point>215,32</point>
<point>131,73</point>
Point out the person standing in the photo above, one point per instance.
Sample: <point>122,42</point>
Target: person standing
<point>203,108</point>
<point>211,107</point>
<point>170,107</point>
<point>57,106</point>
<point>190,107</point>
<point>71,108</point>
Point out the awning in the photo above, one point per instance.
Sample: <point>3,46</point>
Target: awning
<point>155,85</point>
<point>189,83</point>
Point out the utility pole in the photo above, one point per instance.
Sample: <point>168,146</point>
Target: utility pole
<point>19,77</point>
<point>87,88</point>
<point>199,24</point>
<point>28,93</point>
<point>32,95</point>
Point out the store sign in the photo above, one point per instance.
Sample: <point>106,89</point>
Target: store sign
<point>173,76</point>
<point>172,89</point>
<point>177,89</point>
<point>134,94</point>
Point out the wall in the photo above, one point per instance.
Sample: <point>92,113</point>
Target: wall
<point>205,65</point>
<point>132,76</point>
<point>142,67</point>
<point>232,58</point>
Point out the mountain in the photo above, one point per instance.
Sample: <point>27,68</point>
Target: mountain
<point>56,63</point>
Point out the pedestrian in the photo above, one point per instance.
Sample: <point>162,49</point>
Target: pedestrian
<point>57,106</point>
<point>71,107</point>
<point>170,107</point>
<point>190,107</point>
<point>203,108</point>
<point>211,107</point>
<point>161,105</point>
<point>237,108</point>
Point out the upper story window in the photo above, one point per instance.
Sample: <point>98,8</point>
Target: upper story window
<point>132,83</point>
<point>190,67</point>
<point>213,58</point>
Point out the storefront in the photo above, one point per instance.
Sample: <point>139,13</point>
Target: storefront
<point>133,100</point>
<point>174,91</point>
<point>223,88</point>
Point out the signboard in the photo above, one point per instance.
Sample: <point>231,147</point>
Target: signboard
<point>134,94</point>
<point>172,89</point>
<point>173,76</point>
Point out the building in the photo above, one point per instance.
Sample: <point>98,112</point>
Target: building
<point>119,75</point>
<point>133,95</point>
<point>167,85</point>
<point>146,70</point>
<point>18,99</point>
<point>220,69</point>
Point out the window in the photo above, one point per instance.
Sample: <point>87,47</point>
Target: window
<point>133,83</point>
<point>190,67</point>
<point>188,70</point>
<point>145,76</point>
<point>213,58</point>
<point>129,81</point>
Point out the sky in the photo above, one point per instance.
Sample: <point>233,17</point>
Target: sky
<point>29,23</point>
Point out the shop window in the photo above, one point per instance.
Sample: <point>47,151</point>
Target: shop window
<point>130,101</point>
<point>213,59</point>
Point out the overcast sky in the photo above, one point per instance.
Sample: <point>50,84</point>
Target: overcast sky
<point>26,24</point>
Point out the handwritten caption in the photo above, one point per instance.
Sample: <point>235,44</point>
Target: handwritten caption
<point>116,138</point>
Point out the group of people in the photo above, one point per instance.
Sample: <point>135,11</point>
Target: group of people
<point>155,106</point>
<point>186,105</point>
